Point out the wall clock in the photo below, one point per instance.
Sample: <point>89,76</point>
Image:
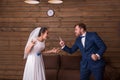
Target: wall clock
<point>50,12</point>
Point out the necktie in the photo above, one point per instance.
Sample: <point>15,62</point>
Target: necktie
<point>82,37</point>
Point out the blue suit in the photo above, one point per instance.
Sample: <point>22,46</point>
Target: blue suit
<point>93,44</point>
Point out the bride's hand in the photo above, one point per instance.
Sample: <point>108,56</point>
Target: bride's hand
<point>55,50</point>
<point>33,41</point>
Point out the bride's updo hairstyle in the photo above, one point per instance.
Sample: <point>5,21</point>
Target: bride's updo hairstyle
<point>42,30</point>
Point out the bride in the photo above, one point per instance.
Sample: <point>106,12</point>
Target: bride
<point>34,68</point>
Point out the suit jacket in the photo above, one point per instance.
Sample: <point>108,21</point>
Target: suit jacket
<point>93,44</point>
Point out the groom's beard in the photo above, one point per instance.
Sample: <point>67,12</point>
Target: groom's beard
<point>78,34</point>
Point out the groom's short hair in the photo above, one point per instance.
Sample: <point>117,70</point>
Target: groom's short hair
<point>81,25</point>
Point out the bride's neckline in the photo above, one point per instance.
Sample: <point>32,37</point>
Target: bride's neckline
<point>40,40</point>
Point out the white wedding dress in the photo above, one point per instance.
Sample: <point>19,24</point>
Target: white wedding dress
<point>34,68</point>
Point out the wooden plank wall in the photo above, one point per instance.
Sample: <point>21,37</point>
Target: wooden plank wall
<point>18,19</point>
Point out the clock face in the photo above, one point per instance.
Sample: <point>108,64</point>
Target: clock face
<point>50,12</point>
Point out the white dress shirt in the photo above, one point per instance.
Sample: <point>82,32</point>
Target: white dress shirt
<point>83,39</point>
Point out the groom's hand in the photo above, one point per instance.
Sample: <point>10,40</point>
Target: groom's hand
<point>94,57</point>
<point>62,43</point>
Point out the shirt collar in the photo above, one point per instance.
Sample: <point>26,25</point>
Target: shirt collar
<point>84,34</point>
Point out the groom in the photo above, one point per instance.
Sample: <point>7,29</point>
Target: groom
<point>92,49</point>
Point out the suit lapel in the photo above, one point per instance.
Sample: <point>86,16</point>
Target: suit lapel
<point>86,39</point>
<point>81,46</point>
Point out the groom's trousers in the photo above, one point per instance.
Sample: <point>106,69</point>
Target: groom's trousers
<point>98,73</point>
